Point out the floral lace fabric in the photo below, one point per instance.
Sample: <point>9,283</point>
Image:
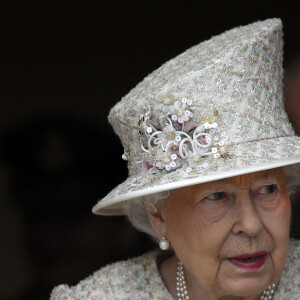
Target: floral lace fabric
<point>138,279</point>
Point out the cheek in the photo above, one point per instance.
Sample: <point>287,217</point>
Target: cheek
<point>277,223</point>
<point>199,227</point>
<point>185,229</point>
<point>277,219</point>
<point>197,239</point>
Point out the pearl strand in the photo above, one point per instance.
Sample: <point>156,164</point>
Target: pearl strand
<point>269,292</point>
<point>183,293</point>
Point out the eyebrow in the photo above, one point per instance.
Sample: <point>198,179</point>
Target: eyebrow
<point>277,174</point>
<point>267,174</point>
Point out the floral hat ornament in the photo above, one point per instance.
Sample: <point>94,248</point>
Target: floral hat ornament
<point>213,112</point>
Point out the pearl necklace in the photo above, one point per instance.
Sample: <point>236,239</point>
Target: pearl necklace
<point>183,293</point>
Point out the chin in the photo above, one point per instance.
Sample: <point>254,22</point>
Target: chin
<point>246,287</point>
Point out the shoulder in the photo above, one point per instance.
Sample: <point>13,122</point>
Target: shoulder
<point>135,278</point>
<point>290,279</point>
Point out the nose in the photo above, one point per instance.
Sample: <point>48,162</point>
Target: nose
<point>247,221</point>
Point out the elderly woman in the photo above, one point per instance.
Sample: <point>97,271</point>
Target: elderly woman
<point>212,159</point>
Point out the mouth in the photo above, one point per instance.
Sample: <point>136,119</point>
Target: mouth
<point>250,262</point>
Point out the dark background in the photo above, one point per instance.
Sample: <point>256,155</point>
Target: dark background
<point>63,66</point>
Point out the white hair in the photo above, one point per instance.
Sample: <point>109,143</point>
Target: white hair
<point>136,209</point>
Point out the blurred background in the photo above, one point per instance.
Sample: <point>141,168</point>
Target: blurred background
<point>63,66</point>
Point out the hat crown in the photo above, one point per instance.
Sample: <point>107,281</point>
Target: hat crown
<point>238,73</point>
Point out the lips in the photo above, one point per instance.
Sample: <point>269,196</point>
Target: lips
<point>250,262</point>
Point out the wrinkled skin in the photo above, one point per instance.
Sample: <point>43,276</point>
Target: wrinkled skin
<point>208,223</point>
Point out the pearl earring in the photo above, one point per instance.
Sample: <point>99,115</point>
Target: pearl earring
<point>164,243</point>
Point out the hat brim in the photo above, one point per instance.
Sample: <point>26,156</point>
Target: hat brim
<point>246,158</point>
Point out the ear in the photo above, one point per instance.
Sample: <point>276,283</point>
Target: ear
<point>158,220</point>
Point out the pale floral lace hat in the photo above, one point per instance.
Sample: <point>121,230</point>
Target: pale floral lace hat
<point>215,111</point>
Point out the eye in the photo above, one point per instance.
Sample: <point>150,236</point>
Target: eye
<point>268,189</point>
<point>216,196</point>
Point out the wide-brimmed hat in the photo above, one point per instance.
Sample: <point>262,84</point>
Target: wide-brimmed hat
<point>213,112</point>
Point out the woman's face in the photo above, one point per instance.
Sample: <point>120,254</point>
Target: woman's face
<point>212,225</point>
